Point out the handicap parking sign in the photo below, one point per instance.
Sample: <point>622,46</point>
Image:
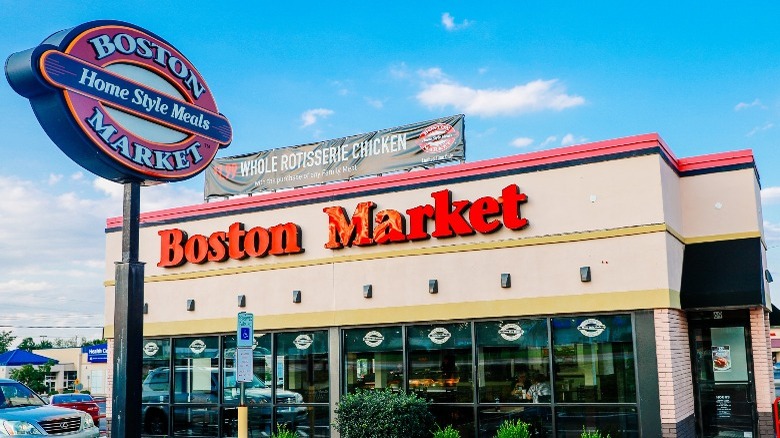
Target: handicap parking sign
<point>245,335</point>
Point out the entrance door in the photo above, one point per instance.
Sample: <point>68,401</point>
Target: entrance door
<point>723,374</point>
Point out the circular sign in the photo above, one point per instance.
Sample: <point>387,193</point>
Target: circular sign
<point>151,348</point>
<point>302,342</point>
<point>121,102</point>
<point>437,138</point>
<point>439,335</point>
<point>373,338</point>
<point>511,332</point>
<point>591,327</point>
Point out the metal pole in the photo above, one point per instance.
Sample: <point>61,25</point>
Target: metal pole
<point>128,323</point>
<point>243,418</point>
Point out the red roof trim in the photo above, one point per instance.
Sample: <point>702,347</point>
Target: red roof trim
<point>575,153</point>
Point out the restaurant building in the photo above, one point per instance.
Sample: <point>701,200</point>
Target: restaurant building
<point>628,282</point>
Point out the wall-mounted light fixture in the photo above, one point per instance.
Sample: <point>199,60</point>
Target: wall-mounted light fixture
<point>296,296</point>
<point>585,274</point>
<point>433,286</point>
<point>768,276</point>
<point>190,305</point>
<point>242,301</point>
<point>368,291</point>
<point>146,308</point>
<point>506,280</point>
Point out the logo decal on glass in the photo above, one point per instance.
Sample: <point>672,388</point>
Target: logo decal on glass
<point>373,338</point>
<point>439,335</point>
<point>511,332</point>
<point>303,342</point>
<point>591,327</point>
<point>151,348</point>
<point>198,346</point>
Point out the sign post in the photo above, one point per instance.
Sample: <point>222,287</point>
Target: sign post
<point>88,87</point>
<point>245,338</point>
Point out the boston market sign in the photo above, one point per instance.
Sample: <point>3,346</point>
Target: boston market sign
<point>443,218</point>
<point>121,102</point>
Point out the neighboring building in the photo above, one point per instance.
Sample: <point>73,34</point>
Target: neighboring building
<point>78,368</point>
<point>629,282</point>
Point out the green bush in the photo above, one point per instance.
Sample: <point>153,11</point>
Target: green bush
<point>282,432</point>
<point>592,434</point>
<point>383,414</point>
<point>513,429</point>
<point>447,432</point>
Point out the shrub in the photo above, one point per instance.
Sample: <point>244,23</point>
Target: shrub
<point>282,432</point>
<point>592,434</point>
<point>383,414</point>
<point>513,429</point>
<point>447,432</point>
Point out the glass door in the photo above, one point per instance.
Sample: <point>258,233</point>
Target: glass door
<point>723,375</point>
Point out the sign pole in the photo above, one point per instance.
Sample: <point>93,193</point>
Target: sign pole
<point>245,338</point>
<point>128,323</point>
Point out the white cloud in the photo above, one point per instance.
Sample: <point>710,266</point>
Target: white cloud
<point>534,96</point>
<point>757,129</point>
<point>77,176</point>
<point>434,73</point>
<point>376,103</point>
<point>54,179</point>
<point>567,139</point>
<point>310,117</point>
<point>548,141</point>
<point>448,21</point>
<point>770,195</point>
<point>399,71</point>
<point>522,142</point>
<point>742,105</point>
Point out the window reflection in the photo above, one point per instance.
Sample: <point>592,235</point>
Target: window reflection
<point>594,359</point>
<point>440,362</point>
<point>373,358</point>
<point>258,391</point>
<point>513,361</point>
<point>196,362</point>
<point>302,367</point>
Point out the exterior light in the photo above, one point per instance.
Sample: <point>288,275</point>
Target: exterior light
<point>368,291</point>
<point>296,296</point>
<point>585,274</point>
<point>190,305</point>
<point>242,301</point>
<point>506,280</point>
<point>433,286</point>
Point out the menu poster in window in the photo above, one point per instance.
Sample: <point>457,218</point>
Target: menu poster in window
<point>721,358</point>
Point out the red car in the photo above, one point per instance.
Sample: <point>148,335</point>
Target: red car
<point>82,402</point>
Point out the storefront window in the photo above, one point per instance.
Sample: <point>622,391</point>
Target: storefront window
<point>258,391</point>
<point>373,358</point>
<point>155,370</point>
<point>513,361</point>
<point>196,362</point>
<point>618,422</point>
<point>309,421</point>
<point>302,367</point>
<point>594,359</point>
<point>538,417</point>
<point>258,421</point>
<point>195,421</point>
<point>440,362</point>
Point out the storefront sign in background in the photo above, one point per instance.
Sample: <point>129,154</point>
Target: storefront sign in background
<point>96,353</point>
<point>388,150</point>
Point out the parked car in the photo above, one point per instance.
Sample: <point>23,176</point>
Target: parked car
<point>82,402</point>
<point>777,380</point>
<point>156,387</point>
<point>23,412</point>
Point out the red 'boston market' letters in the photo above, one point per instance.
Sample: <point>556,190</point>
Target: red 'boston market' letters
<point>176,248</point>
<point>450,218</point>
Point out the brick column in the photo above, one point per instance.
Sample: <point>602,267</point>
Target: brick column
<point>762,370</point>
<point>675,379</point>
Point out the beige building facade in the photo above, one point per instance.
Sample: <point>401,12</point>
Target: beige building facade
<point>627,282</point>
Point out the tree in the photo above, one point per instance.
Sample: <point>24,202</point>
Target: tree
<point>44,344</point>
<point>5,340</point>
<point>33,377</point>
<point>27,344</point>
<point>86,343</point>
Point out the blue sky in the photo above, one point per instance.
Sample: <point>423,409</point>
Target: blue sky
<point>528,76</point>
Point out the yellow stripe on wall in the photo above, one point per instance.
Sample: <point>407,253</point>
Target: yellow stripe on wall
<point>556,305</point>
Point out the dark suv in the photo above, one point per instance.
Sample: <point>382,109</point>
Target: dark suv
<point>201,386</point>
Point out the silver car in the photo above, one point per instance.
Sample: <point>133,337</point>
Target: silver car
<point>22,412</point>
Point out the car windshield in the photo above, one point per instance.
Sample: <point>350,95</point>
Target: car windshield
<point>14,395</point>
<point>70,398</point>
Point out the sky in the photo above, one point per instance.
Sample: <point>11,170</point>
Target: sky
<point>528,76</point>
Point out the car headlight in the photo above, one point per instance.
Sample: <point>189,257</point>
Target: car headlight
<point>18,428</point>
<point>87,422</point>
<point>298,398</point>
